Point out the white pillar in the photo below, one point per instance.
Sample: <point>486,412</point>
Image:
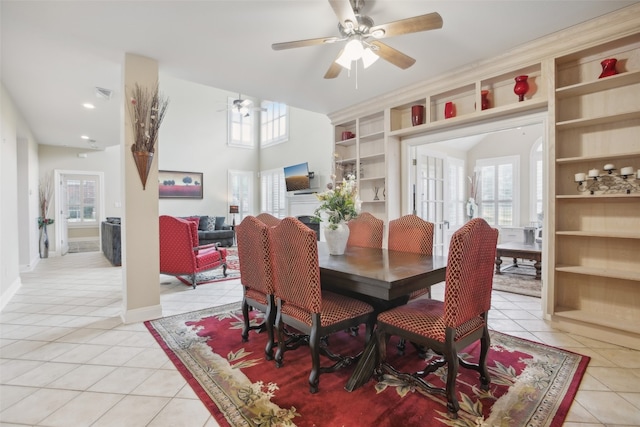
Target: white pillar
<point>140,235</point>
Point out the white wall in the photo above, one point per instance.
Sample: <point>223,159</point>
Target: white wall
<point>310,140</point>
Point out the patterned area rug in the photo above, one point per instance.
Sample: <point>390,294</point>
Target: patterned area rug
<point>532,384</point>
<point>518,280</point>
<point>212,276</point>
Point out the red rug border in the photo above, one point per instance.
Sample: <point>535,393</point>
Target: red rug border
<point>186,374</point>
<point>557,421</point>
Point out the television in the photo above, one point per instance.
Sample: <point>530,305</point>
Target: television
<point>296,177</point>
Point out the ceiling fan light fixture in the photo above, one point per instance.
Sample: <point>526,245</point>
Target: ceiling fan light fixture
<point>344,61</point>
<point>369,57</point>
<point>354,49</point>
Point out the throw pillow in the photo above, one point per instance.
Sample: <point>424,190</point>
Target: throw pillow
<point>211,226</point>
<point>219,222</point>
<point>204,223</point>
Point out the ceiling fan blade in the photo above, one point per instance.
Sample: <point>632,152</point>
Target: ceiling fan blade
<point>303,43</point>
<point>344,12</point>
<point>334,68</point>
<point>396,57</point>
<point>430,21</point>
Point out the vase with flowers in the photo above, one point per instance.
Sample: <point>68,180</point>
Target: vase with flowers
<point>337,206</point>
<point>45,193</point>
<point>146,111</point>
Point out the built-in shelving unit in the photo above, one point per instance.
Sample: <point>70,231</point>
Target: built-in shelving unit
<point>595,270</point>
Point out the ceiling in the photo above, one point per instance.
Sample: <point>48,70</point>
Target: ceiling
<point>54,53</point>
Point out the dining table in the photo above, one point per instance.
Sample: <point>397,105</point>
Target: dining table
<point>382,277</point>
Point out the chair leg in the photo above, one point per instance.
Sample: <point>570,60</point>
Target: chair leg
<point>193,280</point>
<point>314,346</point>
<point>270,319</point>
<point>485,344</point>
<point>451,357</point>
<point>224,269</point>
<point>245,316</point>
<point>279,325</point>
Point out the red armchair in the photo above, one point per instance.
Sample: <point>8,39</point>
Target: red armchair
<point>180,254</point>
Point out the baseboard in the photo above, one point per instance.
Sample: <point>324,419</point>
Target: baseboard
<point>141,314</point>
<point>9,293</point>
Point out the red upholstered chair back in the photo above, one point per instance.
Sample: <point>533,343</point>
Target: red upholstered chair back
<point>254,255</point>
<point>295,265</point>
<point>365,231</point>
<point>411,233</point>
<point>469,277</point>
<point>268,219</point>
<point>176,244</point>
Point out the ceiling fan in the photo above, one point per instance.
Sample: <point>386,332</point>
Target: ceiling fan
<point>362,37</point>
<point>242,106</point>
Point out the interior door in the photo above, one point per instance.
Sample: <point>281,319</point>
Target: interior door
<point>429,194</point>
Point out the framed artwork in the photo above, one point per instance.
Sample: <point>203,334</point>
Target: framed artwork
<point>181,185</point>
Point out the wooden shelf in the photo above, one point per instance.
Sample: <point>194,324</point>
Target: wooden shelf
<point>372,136</point>
<point>583,159</point>
<point>600,272</point>
<point>374,178</point>
<point>491,113</point>
<point>606,83</point>
<point>373,201</point>
<point>608,320</point>
<point>599,120</point>
<point>377,156</point>
<point>598,196</point>
<point>346,142</point>
<point>603,234</point>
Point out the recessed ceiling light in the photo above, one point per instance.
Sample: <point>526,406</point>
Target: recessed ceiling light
<point>88,106</point>
<point>84,137</point>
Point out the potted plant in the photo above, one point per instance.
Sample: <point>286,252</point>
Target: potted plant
<point>338,206</point>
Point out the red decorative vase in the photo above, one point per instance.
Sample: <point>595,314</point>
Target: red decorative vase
<point>608,67</point>
<point>449,110</point>
<point>484,100</point>
<point>417,115</point>
<point>521,87</point>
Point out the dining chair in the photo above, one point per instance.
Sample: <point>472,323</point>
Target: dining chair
<point>268,219</point>
<point>451,325</point>
<point>254,256</point>
<point>410,233</point>
<point>365,231</point>
<point>304,306</point>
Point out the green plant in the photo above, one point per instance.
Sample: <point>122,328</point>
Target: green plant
<point>339,204</point>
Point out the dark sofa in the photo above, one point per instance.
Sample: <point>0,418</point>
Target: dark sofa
<point>212,229</point>
<point>111,246</point>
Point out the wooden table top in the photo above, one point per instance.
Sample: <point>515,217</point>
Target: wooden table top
<point>379,273</point>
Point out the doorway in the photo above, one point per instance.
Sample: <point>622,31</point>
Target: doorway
<point>443,166</point>
<point>79,210</point>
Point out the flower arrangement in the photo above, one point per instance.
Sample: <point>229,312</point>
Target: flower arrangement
<point>45,194</point>
<point>339,204</point>
<point>146,109</point>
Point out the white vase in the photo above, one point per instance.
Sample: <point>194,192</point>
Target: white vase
<point>337,239</point>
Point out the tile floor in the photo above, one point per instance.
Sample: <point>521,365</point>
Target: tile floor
<point>67,360</point>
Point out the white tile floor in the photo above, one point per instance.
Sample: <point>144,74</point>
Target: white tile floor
<point>67,360</point>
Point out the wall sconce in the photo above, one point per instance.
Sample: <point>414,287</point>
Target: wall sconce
<point>627,181</point>
<point>233,209</point>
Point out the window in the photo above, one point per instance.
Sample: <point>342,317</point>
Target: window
<point>536,182</point>
<point>81,200</point>
<point>499,179</point>
<point>241,192</point>
<point>273,193</point>
<point>240,128</point>
<point>274,123</point>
